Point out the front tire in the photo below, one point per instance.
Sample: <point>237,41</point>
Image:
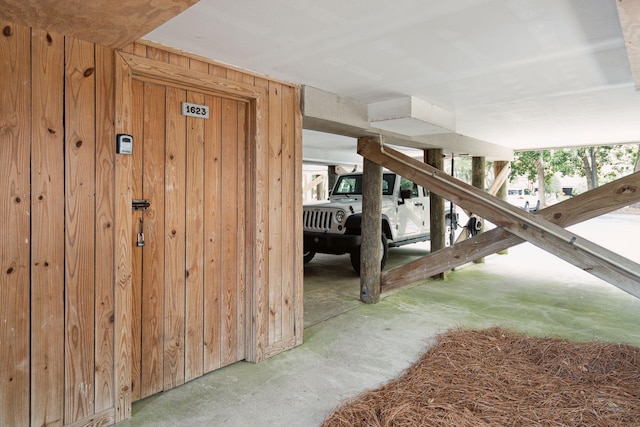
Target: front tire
<point>308,256</point>
<point>355,255</point>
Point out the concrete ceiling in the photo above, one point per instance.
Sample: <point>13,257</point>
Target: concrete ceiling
<point>517,73</point>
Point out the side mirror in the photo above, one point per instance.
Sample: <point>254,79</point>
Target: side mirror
<point>405,194</point>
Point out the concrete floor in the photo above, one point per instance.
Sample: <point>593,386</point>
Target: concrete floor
<point>350,347</point>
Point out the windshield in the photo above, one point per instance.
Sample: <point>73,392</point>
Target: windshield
<point>352,184</point>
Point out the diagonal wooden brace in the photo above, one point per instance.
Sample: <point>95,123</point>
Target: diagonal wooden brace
<point>537,229</point>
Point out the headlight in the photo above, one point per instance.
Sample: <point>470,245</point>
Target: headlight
<point>339,216</point>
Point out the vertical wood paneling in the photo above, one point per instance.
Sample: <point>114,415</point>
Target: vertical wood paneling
<point>260,199</point>
<point>202,262</point>
<point>80,225</point>
<point>217,70</point>
<point>241,262</point>
<point>122,250</point>
<point>153,263</point>
<point>229,226</point>
<point>298,264</point>
<point>47,222</point>
<point>157,54</point>
<point>14,211</point>
<point>104,261</point>
<point>137,106</point>
<point>194,243</point>
<point>213,240</point>
<point>175,161</point>
<point>197,65</point>
<point>180,60</point>
<point>275,212</point>
<point>234,75</point>
<point>289,212</point>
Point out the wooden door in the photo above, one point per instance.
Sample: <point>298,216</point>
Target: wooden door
<point>189,308</point>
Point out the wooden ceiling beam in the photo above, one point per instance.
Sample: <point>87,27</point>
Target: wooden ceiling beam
<point>629,15</point>
<point>112,23</point>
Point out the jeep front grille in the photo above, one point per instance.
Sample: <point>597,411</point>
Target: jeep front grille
<point>317,220</point>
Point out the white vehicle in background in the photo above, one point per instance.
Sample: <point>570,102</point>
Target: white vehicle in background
<point>334,227</point>
<point>523,198</point>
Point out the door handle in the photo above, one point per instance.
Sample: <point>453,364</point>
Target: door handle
<point>418,204</point>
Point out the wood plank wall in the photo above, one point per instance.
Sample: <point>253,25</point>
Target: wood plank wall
<point>64,273</point>
<point>276,206</point>
<point>57,335</point>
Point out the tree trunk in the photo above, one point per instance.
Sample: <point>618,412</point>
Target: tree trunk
<point>587,171</point>
<point>594,168</point>
<point>541,188</point>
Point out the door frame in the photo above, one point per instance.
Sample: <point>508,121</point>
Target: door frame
<point>128,67</point>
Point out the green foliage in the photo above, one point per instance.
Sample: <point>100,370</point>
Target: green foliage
<point>600,164</point>
<point>525,163</point>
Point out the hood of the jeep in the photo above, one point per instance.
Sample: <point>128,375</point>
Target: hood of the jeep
<point>340,202</point>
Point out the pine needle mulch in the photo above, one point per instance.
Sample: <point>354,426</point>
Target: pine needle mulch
<point>495,377</point>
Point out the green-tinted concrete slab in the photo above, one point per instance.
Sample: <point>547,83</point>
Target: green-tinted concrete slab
<point>528,291</point>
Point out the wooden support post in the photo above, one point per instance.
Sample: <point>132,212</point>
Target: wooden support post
<point>370,249</point>
<point>601,262</point>
<point>478,174</point>
<point>435,158</point>
<point>501,193</point>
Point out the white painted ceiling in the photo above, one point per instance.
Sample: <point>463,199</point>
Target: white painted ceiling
<point>518,73</point>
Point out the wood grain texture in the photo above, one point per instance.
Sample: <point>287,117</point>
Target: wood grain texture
<point>288,221</point>
<point>371,228</point>
<point>195,166</point>
<point>229,226</point>
<point>213,236</point>
<point>260,170</point>
<point>275,212</point>
<point>104,230</point>
<point>47,223</point>
<point>174,250</point>
<point>241,233</point>
<point>628,12</point>
<point>137,132</point>
<point>15,68</point>
<point>108,23</point>
<point>78,351</point>
<point>123,293</point>
<point>536,229</point>
<point>159,70</point>
<point>153,262</point>
<point>298,263</point>
<point>80,226</point>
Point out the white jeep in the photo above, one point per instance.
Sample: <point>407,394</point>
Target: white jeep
<point>334,227</point>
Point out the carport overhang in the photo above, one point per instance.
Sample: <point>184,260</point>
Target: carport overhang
<point>330,113</point>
